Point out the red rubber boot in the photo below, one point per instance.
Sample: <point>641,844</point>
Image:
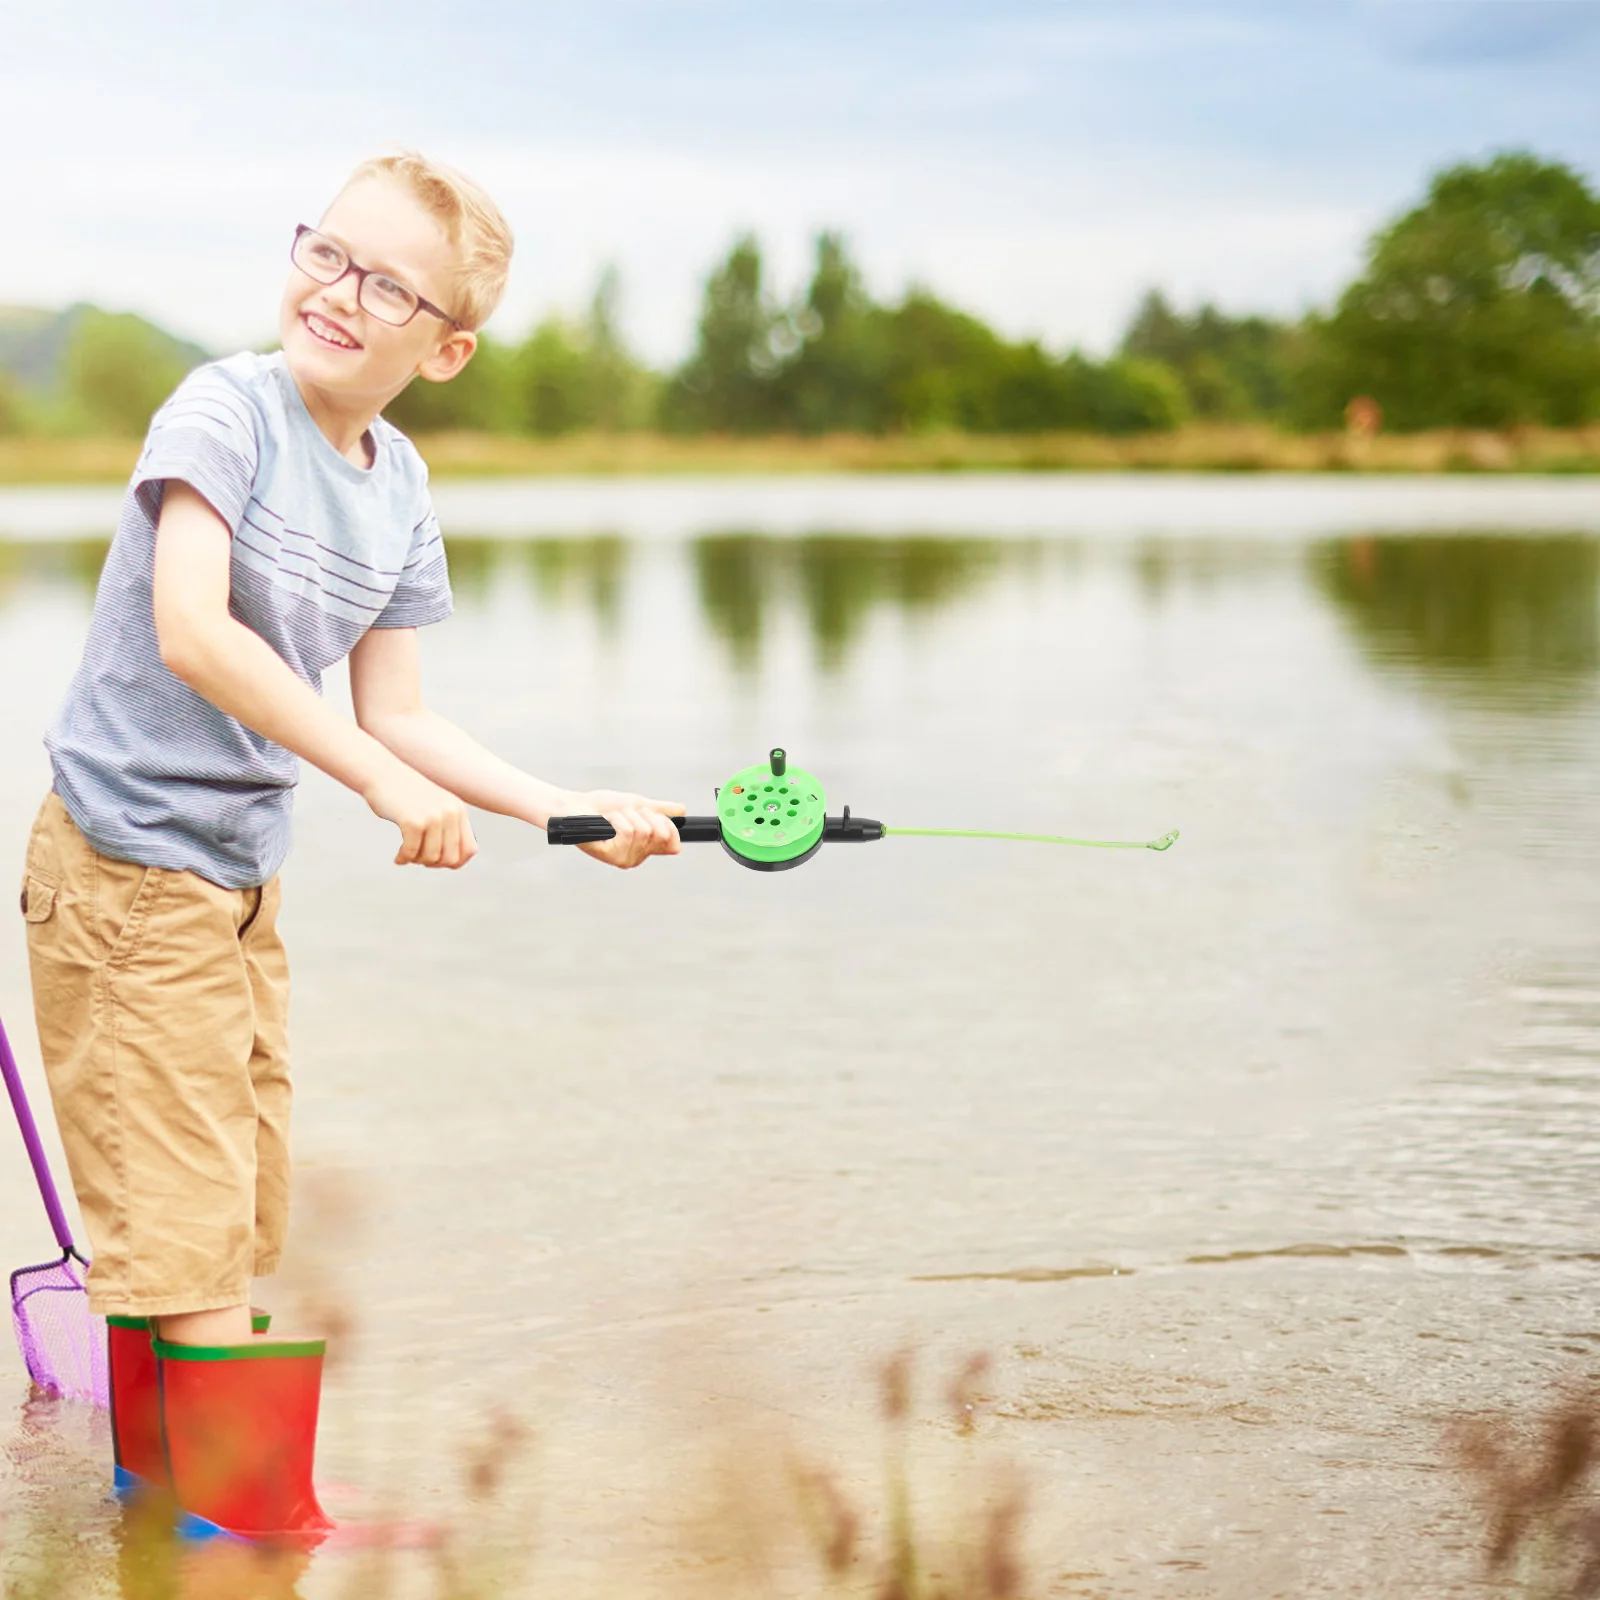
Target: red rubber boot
<point>136,1403</point>
<point>135,1406</point>
<point>239,1430</point>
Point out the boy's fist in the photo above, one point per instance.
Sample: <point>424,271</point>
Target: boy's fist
<point>435,830</point>
<point>643,826</point>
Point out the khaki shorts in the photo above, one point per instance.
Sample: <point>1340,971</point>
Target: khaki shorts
<point>162,1002</point>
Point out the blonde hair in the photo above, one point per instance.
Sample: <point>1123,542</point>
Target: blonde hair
<point>471,221</point>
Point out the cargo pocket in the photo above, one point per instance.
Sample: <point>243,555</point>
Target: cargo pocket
<point>124,943</point>
<point>38,899</point>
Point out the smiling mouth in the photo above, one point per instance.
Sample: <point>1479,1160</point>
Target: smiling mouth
<point>328,332</point>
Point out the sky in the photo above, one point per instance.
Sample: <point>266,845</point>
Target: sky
<point>1042,165</point>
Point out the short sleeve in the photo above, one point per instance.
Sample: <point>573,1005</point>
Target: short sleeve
<point>206,436</point>
<point>423,593</point>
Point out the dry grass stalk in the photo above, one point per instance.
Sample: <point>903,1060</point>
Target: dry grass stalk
<point>1198,447</point>
<point>832,1523</point>
<point>980,1559</point>
<point>330,1221</point>
<point>965,1394</point>
<point>492,1563</point>
<point>975,1555</point>
<point>1542,1495</point>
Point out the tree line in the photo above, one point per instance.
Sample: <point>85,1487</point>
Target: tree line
<point>1477,307</point>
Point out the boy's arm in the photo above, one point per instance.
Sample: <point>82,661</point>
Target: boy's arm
<point>241,674</point>
<point>386,688</point>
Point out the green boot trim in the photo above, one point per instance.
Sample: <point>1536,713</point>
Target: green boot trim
<point>257,1350</point>
<point>260,1321</point>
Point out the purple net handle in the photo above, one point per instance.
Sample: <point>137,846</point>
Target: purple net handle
<point>30,1137</point>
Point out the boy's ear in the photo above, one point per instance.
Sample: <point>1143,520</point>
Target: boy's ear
<point>454,352</point>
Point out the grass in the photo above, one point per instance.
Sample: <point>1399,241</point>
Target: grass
<point>776,1520</point>
<point>1240,447</point>
<point>1536,1478</point>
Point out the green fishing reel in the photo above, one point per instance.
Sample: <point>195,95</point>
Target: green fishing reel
<point>773,816</point>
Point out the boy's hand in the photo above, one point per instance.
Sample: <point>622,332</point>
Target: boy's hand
<point>435,830</point>
<point>642,826</point>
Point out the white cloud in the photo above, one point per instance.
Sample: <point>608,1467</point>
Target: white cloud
<point>1040,165</point>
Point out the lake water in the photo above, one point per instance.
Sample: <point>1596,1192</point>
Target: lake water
<point>1253,1165</point>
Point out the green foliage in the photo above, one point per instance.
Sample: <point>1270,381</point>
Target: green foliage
<point>482,396</point>
<point>35,350</point>
<point>1480,307</point>
<point>837,360</point>
<point>1232,369</point>
<point>551,378</point>
<point>571,375</point>
<point>620,392</point>
<point>728,385</point>
<point>564,376</point>
<point>946,369</point>
<point>118,369</point>
<point>12,412</point>
<point>1476,309</point>
<point>835,381</point>
<point>1125,395</point>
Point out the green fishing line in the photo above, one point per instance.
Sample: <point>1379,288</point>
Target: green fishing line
<point>772,816</point>
<point>1165,842</point>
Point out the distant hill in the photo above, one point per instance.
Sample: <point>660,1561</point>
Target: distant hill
<point>34,344</point>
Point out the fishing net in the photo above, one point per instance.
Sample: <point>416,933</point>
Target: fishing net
<point>62,1341</point>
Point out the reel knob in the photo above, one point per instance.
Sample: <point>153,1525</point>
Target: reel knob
<point>772,815</point>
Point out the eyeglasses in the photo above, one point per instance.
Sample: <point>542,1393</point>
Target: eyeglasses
<point>316,255</point>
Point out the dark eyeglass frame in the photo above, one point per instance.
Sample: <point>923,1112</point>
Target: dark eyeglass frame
<point>362,274</point>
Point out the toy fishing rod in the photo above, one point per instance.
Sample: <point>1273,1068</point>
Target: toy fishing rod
<point>774,816</point>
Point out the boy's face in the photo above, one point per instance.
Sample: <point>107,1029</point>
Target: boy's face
<point>336,347</point>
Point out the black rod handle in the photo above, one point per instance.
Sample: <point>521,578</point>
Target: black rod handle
<point>596,830</point>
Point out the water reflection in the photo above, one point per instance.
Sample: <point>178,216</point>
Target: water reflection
<point>590,572</point>
<point>1167,1128</point>
<point>1161,567</point>
<point>1507,610</point>
<point>839,581</point>
<point>592,568</point>
<point>74,562</point>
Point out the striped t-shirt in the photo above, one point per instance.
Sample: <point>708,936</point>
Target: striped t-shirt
<point>322,550</point>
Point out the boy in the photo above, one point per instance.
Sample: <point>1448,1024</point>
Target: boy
<point>274,525</point>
